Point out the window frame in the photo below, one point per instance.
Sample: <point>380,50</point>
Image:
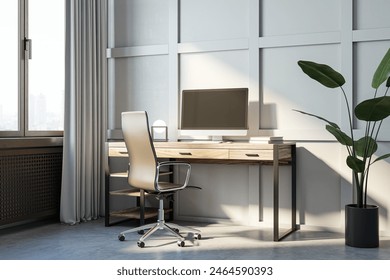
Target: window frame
<point>23,75</point>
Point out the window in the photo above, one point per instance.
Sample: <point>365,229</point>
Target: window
<point>32,71</point>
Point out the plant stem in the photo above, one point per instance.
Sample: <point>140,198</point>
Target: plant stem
<point>358,181</point>
<point>350,121</point>
<point>359,189</point>
<point>366,184</point>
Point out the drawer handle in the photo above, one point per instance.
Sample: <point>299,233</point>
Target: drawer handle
<point>124,153</point>
<point>252,155</point>
<point>185,154</point>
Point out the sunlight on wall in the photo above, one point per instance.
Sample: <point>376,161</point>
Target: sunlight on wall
<point>214,69</point>
<point>236,213</point>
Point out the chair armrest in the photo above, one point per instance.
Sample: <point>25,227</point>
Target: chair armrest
<point>165,173</point>
<point>176,163</point>
<point>165,163</point>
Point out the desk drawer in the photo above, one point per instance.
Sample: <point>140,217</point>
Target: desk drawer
<point>118,152</point>
<point>193,153</point>
<point>255,155</point>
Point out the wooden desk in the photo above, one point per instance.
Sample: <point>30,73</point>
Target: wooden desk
<point>242,153</point>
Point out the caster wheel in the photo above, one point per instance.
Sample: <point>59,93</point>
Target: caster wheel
<point>141,231</point>
<point>141,244</point>
<point>176,230</point>
<point>180,243</point>
<point>198,236</point>
<point>121,237</point>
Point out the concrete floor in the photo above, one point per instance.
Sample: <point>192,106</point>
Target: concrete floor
<point>93,241</point>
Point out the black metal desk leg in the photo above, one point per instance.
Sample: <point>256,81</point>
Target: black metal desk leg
<point>276,192</point>
<point>277,236</point>
<point>293,188</point>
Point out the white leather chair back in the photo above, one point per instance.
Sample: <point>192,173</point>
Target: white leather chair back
<point>139,144</point>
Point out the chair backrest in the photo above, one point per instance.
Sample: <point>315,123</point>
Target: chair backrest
<point>142,156</point>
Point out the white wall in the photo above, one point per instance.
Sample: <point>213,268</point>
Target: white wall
<point>159,47</point>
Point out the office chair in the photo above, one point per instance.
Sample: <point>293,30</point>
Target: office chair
<point>144,171</point>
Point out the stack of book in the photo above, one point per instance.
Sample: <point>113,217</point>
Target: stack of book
<point>267,139</point>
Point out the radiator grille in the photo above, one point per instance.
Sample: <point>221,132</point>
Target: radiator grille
<point>30,185</point>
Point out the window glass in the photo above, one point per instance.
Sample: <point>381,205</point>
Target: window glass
<point>46,28</point>
<point>9,95</point>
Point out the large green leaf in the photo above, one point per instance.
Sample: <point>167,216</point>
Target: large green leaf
<point>343,138</point>
<point>382,72</point>
<point>365,146</point>
<point>322,73</point>
<point>355,164</point>
<point>375,109</point>
<point>318,117</point>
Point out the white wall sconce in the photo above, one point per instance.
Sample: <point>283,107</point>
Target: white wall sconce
<point>160,131</point>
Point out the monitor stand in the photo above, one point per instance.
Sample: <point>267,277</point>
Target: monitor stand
<point>214,139</point>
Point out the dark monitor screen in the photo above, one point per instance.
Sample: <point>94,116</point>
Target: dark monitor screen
<point>208,109</point>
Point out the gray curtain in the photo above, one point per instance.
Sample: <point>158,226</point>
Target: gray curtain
<point>85,98</point>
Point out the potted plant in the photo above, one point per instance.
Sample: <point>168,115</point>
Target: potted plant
<point>362,220</point>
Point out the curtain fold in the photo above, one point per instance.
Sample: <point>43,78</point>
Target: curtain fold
<point>85,113</point>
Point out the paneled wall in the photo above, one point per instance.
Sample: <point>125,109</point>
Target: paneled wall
<point>159,47</point>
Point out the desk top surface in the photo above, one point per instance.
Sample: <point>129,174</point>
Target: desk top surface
<point>220,145</point>
<point>211,145</point>
<point>225,151</point>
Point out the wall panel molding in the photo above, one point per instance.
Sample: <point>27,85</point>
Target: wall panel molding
<point>137,51</point>
<point>381,34</point>
<point>213,46</point>
<point>300,40</point>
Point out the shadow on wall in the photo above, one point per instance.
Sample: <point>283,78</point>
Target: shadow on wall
<point>319,188</point>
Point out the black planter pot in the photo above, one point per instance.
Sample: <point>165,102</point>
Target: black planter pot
<point>362,226</point>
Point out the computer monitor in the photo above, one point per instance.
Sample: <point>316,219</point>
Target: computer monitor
<point>214,112</point>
